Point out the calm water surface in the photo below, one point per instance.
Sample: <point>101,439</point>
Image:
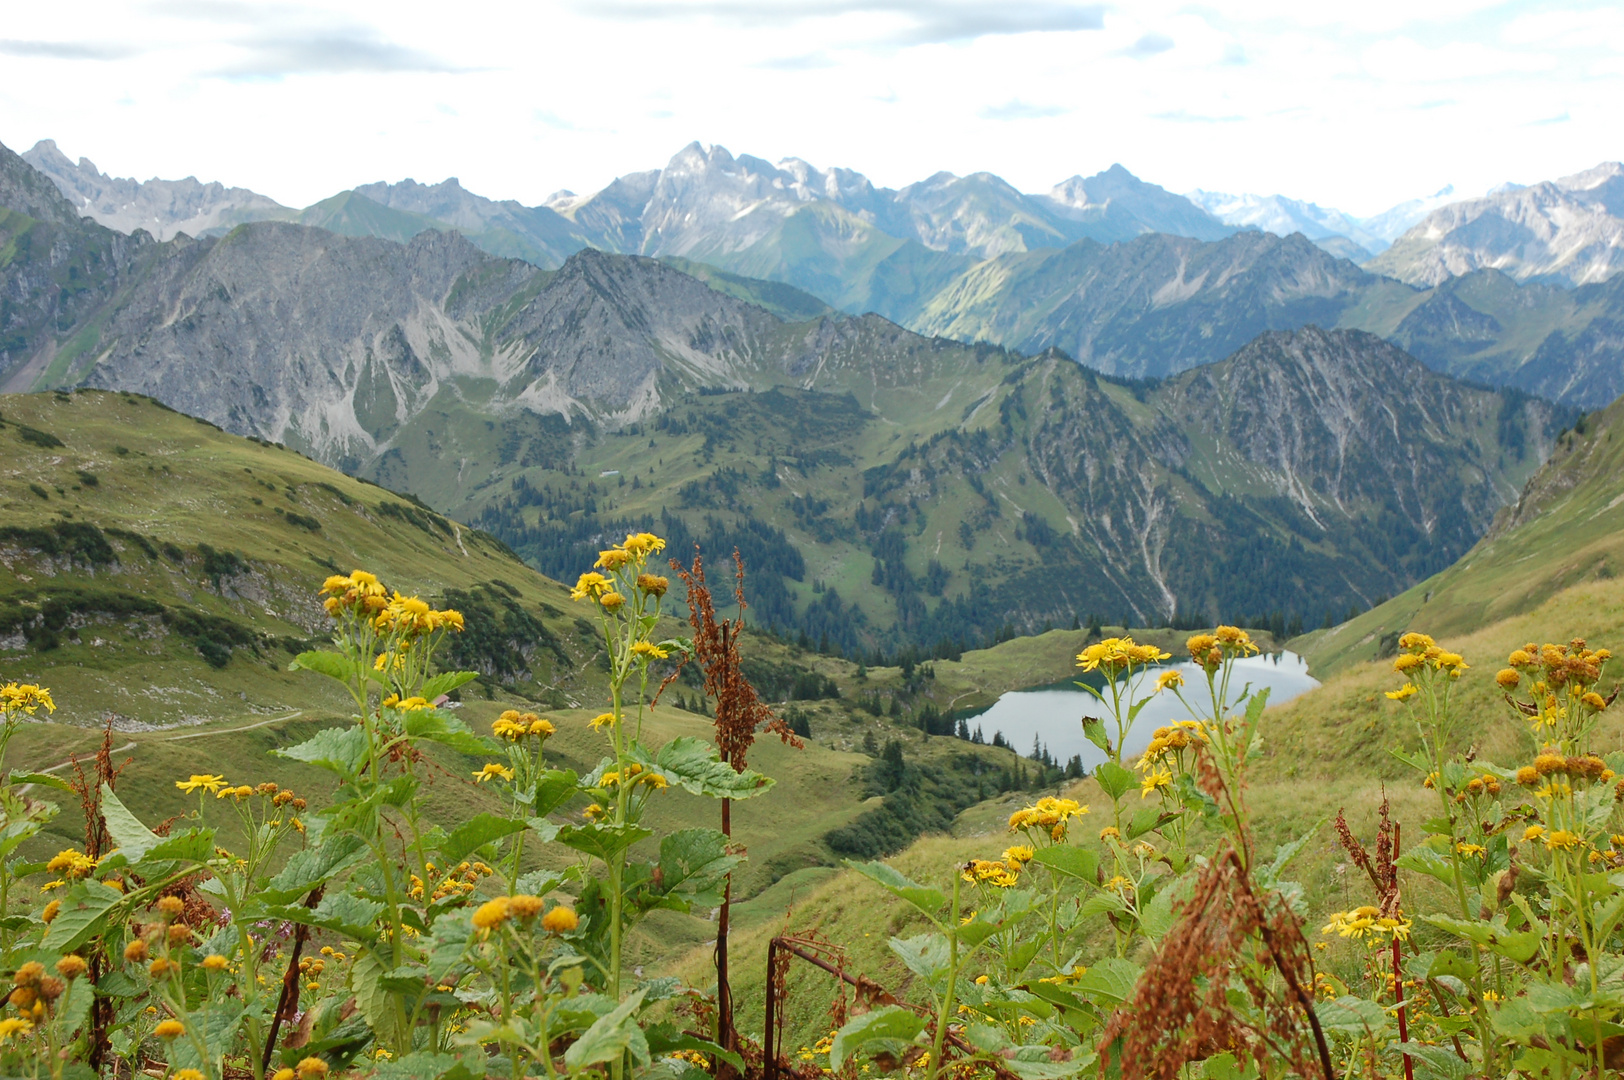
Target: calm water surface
<point>1054,713</point>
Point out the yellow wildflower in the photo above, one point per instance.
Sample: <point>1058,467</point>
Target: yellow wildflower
<point>601,721</point>
<point>1170,679</point>
<point>71,864</point>
<point>1562,840</point>
<point>203,781</point>
<point>492,770</point>
<point>13,1025</point>
<point>649,651</point>
<point>1152,781</point>
<point>25,698</point>
<point>560,920</point>
<point>1534,832</point>
<point>653,584</point>
<point>611,601</point>
<point>1405,691</point>
<point>492,913</point>
<point>590,585</point>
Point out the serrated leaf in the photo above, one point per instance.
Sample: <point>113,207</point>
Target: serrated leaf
<point>46,779</point>
<point>692,860</point>
<point>446,729</point>
<point>1109,982</point>
<point>1094,731</point>
<point>928,900</point>
<point>602,841</point>
<point>193,845</point>
<point>1076,862</point>
<point>611,1035</point>
<point>336,749</point>
<point>475,833</point>
<point>1113,779</point>
<point>554,788</point>
<point>326,663</point>
<point>81,917</point>
<point>134,839</point>
<point>313,866</point>
<point>693,764</point>
<point>1352,1016</point>
<point>375,1002</point>
<point>447,681</point>
<point>887,1029</point>
<point>926,955</point>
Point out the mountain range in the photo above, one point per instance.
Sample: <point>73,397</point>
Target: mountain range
<point>1121,274</point>
<point>1568,231</point>
<point>883,485</point>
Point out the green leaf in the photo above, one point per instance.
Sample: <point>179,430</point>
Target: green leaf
<point>1094,729</point>
<point>693,763</point>
<point>1424,860</point>
<point>134,839</point>
<point>930,901</point>
<point>1146,819</point>
<point>664,1038</point>
<point>555,788</point>
<point>611,1035</point>
<point>602,841</point>
<point>693,860</point>
<point>1270,874</point>
<point>336,749</point>
<point>330,664</point>
<point>446,729</point>
<point>45,779</point>
<point>313,866</point>
<point>1114,780</point>
<point>1520,946</point>
<point>193,845</point>
<point>1352,1016</point>
<point>1111,981</point>
<point>887,1029</point>
<point>81,917</point>
<point>926,955</point>
<point>375,1002</point>
<point>447,681</point>
<point>475,834</point>
<point>1156,917</point>
<point>1074,862</point>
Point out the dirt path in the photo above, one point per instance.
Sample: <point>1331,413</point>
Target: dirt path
<point>177,738</point>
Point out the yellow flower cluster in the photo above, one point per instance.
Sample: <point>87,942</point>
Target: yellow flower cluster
<point>632,552</point>
<point>1113,655</point>
<point>635,774</point>
<point>1210,650</point>
<point>24,698</point>
<point>411,616</point>
<point>1418,654</point>
<point>1171,741</point>
<point>459,881</point>
<point>514,725</point>
<point>493,913</point>
<point>357,591</point>
<point>1048,815</point>
<point>1000,875</point>
<point>71,864</point>
<point>1363,922</point>
<point>361,594</point>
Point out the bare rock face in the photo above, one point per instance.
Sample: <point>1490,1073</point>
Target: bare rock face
<point>164,208</point>
<point>1569,230</point>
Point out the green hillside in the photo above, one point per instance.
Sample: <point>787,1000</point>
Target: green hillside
<point>1567,528</point>
<point>160,574</point>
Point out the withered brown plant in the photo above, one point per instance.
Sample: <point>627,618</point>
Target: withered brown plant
<point>88,786</point>
<point>1230,935</point>
<point>740,716</point>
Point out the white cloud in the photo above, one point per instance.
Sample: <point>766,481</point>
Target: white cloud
<point>1351,105</point>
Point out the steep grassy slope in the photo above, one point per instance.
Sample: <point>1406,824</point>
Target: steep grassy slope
<point>1567,528</point>
<point>1325,751</point>
<point>160,574</point>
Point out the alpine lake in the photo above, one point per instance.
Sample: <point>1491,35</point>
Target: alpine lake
<point>1052,715</point>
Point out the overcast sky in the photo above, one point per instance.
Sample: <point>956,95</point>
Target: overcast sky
<point>1354,105</point>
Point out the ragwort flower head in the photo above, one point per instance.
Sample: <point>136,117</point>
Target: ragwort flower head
<point>1113,655</point>
<point>26,698</point>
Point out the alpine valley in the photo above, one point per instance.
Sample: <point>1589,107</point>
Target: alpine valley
<point>884,487</point>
